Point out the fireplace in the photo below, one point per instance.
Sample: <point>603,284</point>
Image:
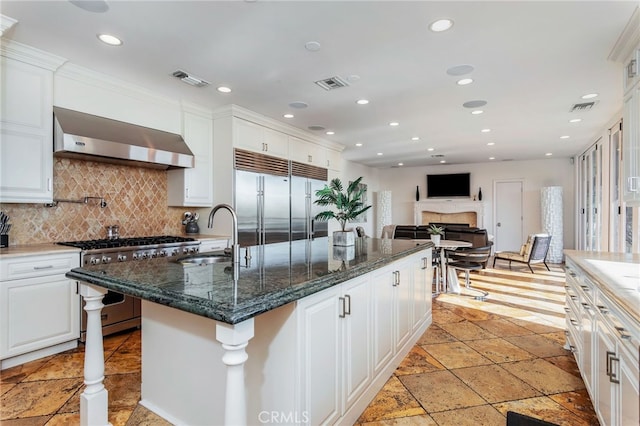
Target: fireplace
<point>449,211</point>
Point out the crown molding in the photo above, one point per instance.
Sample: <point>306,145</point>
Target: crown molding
<point>629,39</point>
<point>6,23</point>
<point>21,52</point>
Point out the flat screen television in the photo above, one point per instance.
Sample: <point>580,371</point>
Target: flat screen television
<point>449,185</point>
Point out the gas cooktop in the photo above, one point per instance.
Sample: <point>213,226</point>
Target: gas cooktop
<point>127,242</point>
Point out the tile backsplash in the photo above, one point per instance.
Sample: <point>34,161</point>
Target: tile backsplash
<point>136,202</point>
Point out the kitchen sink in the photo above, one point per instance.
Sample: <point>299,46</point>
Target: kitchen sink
<point>205,259</point>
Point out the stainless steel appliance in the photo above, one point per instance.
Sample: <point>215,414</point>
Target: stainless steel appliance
<point>120,311</point>
<point>262,198</point>
<point>305,181</point>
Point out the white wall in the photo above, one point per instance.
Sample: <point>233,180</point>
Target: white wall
<point>350,172</point>
<point>536,174</point>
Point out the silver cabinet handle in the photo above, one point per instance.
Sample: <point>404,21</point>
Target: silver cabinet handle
<point>348,300</point>
<point>343,313</point>
<point>38,268</point>
<point>586,306</point>
<point>623,333</point>
<point>603,309</point>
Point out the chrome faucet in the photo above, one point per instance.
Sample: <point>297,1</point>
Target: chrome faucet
<point>235,247</point>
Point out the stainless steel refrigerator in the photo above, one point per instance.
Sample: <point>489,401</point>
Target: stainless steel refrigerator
<point>303,209</point>
<point>262,206</point>
<point>305,181</point>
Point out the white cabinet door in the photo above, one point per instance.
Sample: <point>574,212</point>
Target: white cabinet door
<point>604,352</point>
<point>403,304</point>
<point>319,326</point>
<point>631,146</point>
<point>422,273</point>
<point>36,313</point>
<point>193,187</point>
<point>383,300</point>
<point>356,339</point>
<point>257,138</point>
<point>305,152</point>
<point>26,151</point>
<point>629,391</point>
<point>333,160</point>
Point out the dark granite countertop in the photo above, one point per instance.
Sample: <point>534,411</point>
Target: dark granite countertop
<point>275,275</point>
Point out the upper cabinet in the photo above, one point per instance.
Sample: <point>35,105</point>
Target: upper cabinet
<point>257,138</point>
<point>627,51</point>
<point>193,187</point>
<point>26,124</point>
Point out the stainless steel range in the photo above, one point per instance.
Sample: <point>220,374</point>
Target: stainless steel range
<point>120,311</point>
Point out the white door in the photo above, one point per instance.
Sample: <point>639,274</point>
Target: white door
<point>507,209</point>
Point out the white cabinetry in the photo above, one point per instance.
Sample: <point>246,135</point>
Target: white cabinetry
<point>40,307</point>
<point>193,187</point>
<point>213,245</point>
<point>335,364</point>
<point>606,345</point>
<point>349,336</point>
<point>26,125</point>
<point>257,138</point>
<point>310,153</point>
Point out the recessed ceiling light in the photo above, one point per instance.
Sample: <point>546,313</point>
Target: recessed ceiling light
<point>415,138</point>
<point>491,143</point>
<point>492,158</point>
<point>330,132</point>
<point>477,112</point>
<point>288,116</point>
<point>379,153</point>
<point>565,137</point>
<point>485,130</point>
<point>358,144</point>
<point>312,46</point>
<point>394,124</point>
<point>224,89</point>
<point>362,101</point>
<point>549,154</point>
<point>400,164</point>
<point>441,25</point>
<point>575,120</point>
<point>443,161</point>
<point>589,96</point>
<point>110,40</point>
<point>464,81</point>
<point>430,149</point>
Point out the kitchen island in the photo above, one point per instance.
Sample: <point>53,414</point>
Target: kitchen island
<point>304,333</point>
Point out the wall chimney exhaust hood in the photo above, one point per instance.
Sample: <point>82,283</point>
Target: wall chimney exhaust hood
<point>89,137</point>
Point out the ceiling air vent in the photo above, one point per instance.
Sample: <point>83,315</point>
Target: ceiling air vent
<point>583,107</point>
<point>190,79</point>
<point>332,83</point>
<point>437,156</point>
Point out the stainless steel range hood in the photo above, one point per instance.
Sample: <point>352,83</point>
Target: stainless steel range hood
<point>89,137</point>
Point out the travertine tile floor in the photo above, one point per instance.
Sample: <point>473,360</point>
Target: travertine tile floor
<point>477,361</point>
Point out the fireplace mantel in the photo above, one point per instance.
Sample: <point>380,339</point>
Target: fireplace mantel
<point>449,206</point>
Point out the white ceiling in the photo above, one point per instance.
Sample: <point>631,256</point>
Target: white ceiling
<point>533,61</point>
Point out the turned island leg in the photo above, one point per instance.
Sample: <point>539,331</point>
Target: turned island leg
<point>94,399</point>
<point>234,339</point>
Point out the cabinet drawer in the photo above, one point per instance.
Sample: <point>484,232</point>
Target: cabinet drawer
<point>37,266</point>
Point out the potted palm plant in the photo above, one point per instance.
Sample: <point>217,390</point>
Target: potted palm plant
<point>348,204</point>
<point>436,232</point>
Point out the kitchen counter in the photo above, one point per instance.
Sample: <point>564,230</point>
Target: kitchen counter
<point>616,274</point>
<point>276,274</point>
<point>35,249</point>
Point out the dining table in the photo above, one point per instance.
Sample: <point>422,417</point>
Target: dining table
<point>448,280</point>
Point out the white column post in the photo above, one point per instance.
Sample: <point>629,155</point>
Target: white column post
<point>234,339</point>
<point>94,399</point>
